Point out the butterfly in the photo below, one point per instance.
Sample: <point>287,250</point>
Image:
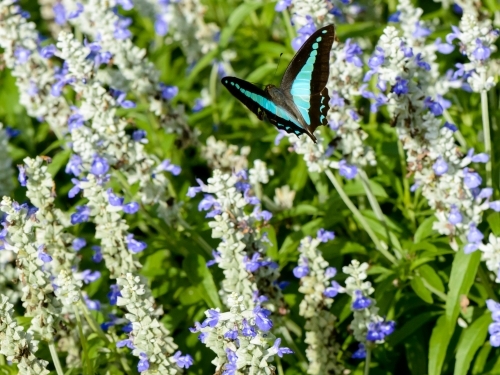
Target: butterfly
<point>300,104</point>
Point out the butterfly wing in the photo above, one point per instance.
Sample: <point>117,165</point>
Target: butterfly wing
<point>304,81</point>
<point>260,103</point>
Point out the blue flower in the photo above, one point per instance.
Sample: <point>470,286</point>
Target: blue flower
<point>161,25</point>
<point>281,5</point>
<point>231,334</point>
<point>433,106</point>
<point>168,92</point>
<point>167,166</point>
<point>127,328</point>
<point>192,191</point>
<point>75,121</point>
<point>477,158</point>
<point>471,179</point>
<point>360,353</point>
<point>495,206</point>
<point>401,86</point>
<point>127,342</point>
<point>216,259</point>
<point>444,48</point>
<point>126,4</point>
<point>421,63</point>
<point>11,132</point>
<point>378,331</point>
<point>377,59</point>
<point>420,31</point>
<point>112,322</point>
<point>281,351</point>
<point>332,290</point>
<point>97,256</point>
<point>330,272</point>
<point>198,105</point>
<point>394,17</point>
<point>74,165</point>
<point>42,255</point>
<point>89,276</point>
<point>261,318</point>
<point>207,203</point>
<point>113,199</point>
<point>113,294</point>
<point>352,50</point>
<point>454,35</point>
<point>81,215</point>
<point>440,167</point>
<point>481,52</point>
<point>325,235</point>
<point>92,304</point>
<point>59,13</point>
<point>48,51</point>
<point>22,55</point>
<point>361,302</point>
<point>76,188</point>
<point>138,135</point>
<point>134,245</point>
<point>247,330</point>
<point>78,244</point>
<point>450,126</point>
<point>231,366</point>
<point>346,170</point>
<point>455,217</point>
<point>212,318</point>
<point>131,208</point>
<point>121,32</point>
<point>75,13</point>
<point>120,99</point>
<point>301,271</point>
<point>474,235</point>
<point>23,179</point>
<point>185,361</point>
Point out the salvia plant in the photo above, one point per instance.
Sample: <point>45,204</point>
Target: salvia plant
<point>151,224</point>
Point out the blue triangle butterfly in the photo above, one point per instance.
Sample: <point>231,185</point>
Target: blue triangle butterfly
<point>300,104</point>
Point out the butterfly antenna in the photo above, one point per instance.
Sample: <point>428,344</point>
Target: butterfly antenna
<point>279,60</point>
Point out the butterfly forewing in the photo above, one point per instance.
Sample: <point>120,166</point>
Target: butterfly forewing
<point>307,74</point>
<point>259,102</point>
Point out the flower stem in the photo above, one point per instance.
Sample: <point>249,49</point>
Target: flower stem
<point>86,362</point>
<point>55,359</point>
<point>382,247</point>
<point>367,361</point>
<point>487,137</point>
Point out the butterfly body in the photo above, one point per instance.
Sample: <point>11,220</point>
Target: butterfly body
<point>300,104</point>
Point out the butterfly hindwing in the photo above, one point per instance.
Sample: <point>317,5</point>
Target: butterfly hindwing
<point>306,77</point>
<point>260,103</point>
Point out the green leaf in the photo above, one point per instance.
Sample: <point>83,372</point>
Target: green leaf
<point>199,275</point>
<point>431,276</point>
<point>463,272</point>
<point>425,229</point>
<point>410,327</point>
<point>261,72</point>
<point>481,358</point>
<point>418,286</point>
<point>58,161</point>
<point>438,345</point>
<point>272,248</point>
<point>494,222</point>
<point>235,19</point>
<point>472,339</point>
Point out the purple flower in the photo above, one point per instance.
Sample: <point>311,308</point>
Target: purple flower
<point>48,51</point>
<point>346,170</point>
<point>494,330</point>
<point>444,48</point>
<point>481,52</point>
<point>138,135</point>
<point>330,272</point>
<point>212,318</point>
<point>422,63</point>
<point>394,17</point>
<point>42,255</point>
<point>22,55</point>
<point>336,100</point>
<point>360,353</point>
<point>182,361</point>
<point>281,5</point>
<point>113,199</point>
<point>231,367</point>
<point>74,165</point>
<point>143,364</point>
<point>455,217</point>
<point>216,259</point>
<point>247,330</point>
<point>420,31</point>
<point>99,166</point>
<point>454,35</point>
<point>378,331</point>
<point>440,167</point>
<point>495,206</point>
<point>253,264</point>
<point>377,59</point>
<point>167,166</point>
<point>78,244</point>
<point>281,351</point>
<point>332,290</point>
<point>478,158</point>
<point>168,92</point>
<point>81,215</point>
<point>301,271</point>
<point>361,302</point>
<point>127,328</point>
<point>231,334</point>
<point>134,245</point>
<point>192,191</point>
<point>207,202</point>
<point>112,322</point>
<point>126,4</point>
<point>77,12</point>
<point>324,235</point>
<point>75,121</point>
<point>494,307</point>
<point>161,25</point>
<point>261,318</point>
<point>120,99</point>
<point>114,293</point>
<point>89,276</point>
<point>59,13</point>
<point>474,235</point>
<point>97,256</point>
<point>471,179</point>
<point>452,127</point>
<point>11,132</point>
<point>92,304</point>
<point>131,208</point>
<point>76,188</point>
<point>485,193</point>
<point>352,50</point>
<point>433,106</point>
<point>262,215</point>
<point>23,179</point>
<point>198,105</point>
<point>121,32</point>
<point>401,86</point>
<point>127,342</point>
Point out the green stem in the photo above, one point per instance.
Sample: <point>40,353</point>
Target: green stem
<point>213,94</point>
<point>288,25</point>
<point>2,360</point>
<point>406,187</point>
<point>378,244</point>
<point>367,361</point>
<point>374,204</point>
<point>487,136</point>
<point>55,359</point>
<point>85,350</point>
<point>458,136</point>
<point>291,343</point>
<point>279,366</point>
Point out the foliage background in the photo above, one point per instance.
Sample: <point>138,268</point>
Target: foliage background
<point>428,283</point>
